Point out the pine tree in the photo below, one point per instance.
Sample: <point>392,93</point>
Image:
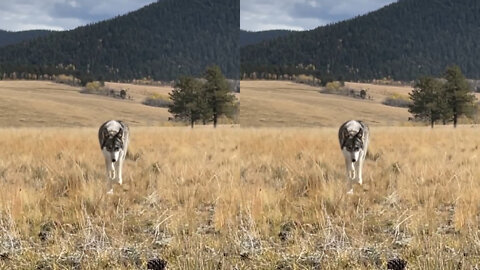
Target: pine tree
<point>428,100</point>
<point>459,96</point>
<point>188,101</point>
<point>219,98</point>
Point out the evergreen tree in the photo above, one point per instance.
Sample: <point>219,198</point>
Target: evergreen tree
<point>459,96</point>
<point>188,101</point>
<point>219,98</point>
<point>207,112</point>
<point>428,100</point>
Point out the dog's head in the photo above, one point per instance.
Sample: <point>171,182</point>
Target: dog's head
<point>113,143</point>
<point>353,144</point>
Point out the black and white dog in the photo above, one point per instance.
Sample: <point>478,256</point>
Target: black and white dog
<point>354,138</point>
<point>114,137</point>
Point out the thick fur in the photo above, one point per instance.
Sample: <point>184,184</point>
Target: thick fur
<point>354,137</point>
<point>113,137</point>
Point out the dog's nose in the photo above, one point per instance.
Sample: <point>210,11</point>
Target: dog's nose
<point>113,160</point>
<point>353,160</point>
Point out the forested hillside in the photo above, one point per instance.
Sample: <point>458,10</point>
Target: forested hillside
<point>162,41</point>
<point>249,37</point>
<point>403,40</point>
<point>9,38</point>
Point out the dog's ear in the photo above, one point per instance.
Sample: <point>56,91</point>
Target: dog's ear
<point>120,133</point>
<point>360,133</point>
<point>105,134</point>
<point>103,138</point>
<point>346,134</point>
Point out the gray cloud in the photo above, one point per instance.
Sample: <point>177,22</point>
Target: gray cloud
<point>258,15</point>
<point>16,15</point>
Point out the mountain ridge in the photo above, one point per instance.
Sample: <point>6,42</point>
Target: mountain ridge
<point>162,41</point>
<point>254,37</point>
<point>402,40</point>
<point>14,37</point>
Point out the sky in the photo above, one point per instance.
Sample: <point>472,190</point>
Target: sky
<point>259,15</point>
<point>18,15</point>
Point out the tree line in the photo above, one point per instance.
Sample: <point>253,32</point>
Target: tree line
<point>204,100</point>
<point>444,99</point>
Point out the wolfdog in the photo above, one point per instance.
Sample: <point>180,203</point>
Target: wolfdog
<point>354,138</point>
<point>114,138</point>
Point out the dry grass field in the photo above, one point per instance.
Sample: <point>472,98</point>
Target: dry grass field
<point>140,92</point>
<point>41,103</point>
<point>380,92</point>
<point>281,103</point>
<point>289,104</point>
<point>231,198</point>
<point>175,202</point>
<point>419,202</point>
<point>271,198</point>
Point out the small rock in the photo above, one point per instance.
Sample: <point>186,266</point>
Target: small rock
<point>157,264</point>
<point>46,231</point>
<point>396,264</point>
<point>4,256</point>
<point>286,231</point>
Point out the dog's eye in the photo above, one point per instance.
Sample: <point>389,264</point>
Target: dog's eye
<point>356,149</point>
<point>116,148</point>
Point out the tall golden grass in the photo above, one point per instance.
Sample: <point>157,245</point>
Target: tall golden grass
<point>55,214</point>
<point>239,198</point>
<point>419,201</point>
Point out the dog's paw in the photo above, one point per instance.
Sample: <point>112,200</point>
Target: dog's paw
<point>350,192</point>
<point>110,192</point>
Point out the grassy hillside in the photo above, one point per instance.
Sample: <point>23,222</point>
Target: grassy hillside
<point>47,104</point>
<point>230,198</point>
<point>282,103</point>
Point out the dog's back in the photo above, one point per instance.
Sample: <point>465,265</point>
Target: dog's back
<point>111,128</point>
<point>351,128</point>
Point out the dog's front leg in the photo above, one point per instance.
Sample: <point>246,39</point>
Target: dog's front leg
<point>359,171</point>
<point>350,174</point>
<point>358,168</point>
<point>110,186</point>
<point>110,174</point>
<point>119,165</point>
<point>360,162</point>
<point>350,169</point>
<point>108,165</point>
